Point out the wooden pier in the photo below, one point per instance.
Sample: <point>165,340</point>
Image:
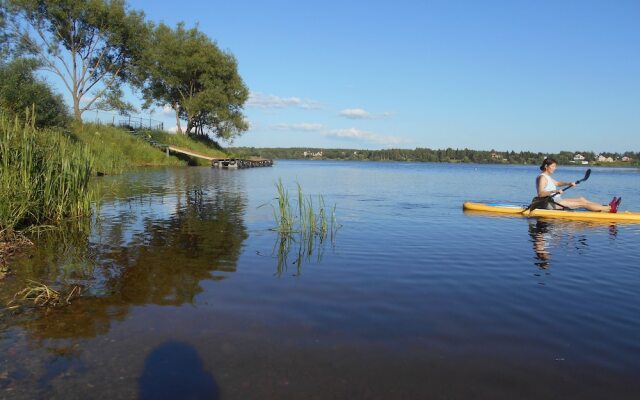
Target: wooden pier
<point>230,163</point>
<point>235,163</point>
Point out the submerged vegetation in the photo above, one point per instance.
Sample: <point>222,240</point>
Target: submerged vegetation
<point>41,295</point>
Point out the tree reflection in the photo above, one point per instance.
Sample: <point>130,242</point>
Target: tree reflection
<point>146,250</point>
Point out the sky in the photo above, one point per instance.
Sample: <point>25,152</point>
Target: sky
<point>519,75</point>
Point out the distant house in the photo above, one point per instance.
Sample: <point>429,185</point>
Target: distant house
<point>312,154</point>
<point>627,159</point>
<point>602,158</point>
<point>580,159</point>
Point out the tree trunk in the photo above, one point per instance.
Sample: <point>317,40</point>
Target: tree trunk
<point>176,107</point>
<point>77,113</point>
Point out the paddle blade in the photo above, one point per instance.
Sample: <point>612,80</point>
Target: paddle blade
<point>586,176</point>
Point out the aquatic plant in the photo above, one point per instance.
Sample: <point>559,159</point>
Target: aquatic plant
<point>42,295</point>
<point>44,175</point>
<point>303,226</point>
<point>302,217</point>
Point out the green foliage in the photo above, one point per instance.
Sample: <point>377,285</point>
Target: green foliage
<point>20,90</point>
<point>188,71</point>
<point>43,175</point>
<point>90,44</point>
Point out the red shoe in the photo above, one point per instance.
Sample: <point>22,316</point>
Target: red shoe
<point>613,205</point>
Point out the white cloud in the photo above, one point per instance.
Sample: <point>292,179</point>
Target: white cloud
<point>168,110</point>
<point>359,113</point>
<point>357,134</point>
<point>261,100</point>
<point>304,126</point>
<point>172,129</point>
<point>355,113</point>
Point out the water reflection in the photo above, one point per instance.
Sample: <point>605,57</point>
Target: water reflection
<point>300,249</point>
<point>153,249</point>
<point>545,234</point>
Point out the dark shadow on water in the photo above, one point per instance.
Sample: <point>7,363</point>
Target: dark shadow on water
<point>174,370</point>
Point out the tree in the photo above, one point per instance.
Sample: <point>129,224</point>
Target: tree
<point>89,44</point>
<point>188,71</point>
<point>20,89</point>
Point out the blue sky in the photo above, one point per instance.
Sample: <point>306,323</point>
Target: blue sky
<point>506,75</point>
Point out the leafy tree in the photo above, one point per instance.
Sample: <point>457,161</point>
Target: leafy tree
<point>20,89</point>
<point>89,44</point>
<point>3,32</point>
<point>188,71</point>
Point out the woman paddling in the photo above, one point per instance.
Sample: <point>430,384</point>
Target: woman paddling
<point>547,187</point>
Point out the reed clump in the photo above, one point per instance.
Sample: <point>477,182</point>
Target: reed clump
<point>303,216</point>
<point>44,175</point>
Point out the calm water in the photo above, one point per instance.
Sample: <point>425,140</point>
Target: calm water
<point>187,291</point>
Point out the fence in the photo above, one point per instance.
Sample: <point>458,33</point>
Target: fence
<point>135,122</point>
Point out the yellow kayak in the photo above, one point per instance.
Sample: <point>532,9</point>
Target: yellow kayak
<point>622,216</point>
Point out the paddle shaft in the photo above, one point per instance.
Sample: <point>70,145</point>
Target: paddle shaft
<point>586,176</point>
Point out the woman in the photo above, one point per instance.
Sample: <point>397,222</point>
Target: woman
<point>547,186</point>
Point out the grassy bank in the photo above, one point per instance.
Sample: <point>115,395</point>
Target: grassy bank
<point>44,173</point>
<point>114,150</point>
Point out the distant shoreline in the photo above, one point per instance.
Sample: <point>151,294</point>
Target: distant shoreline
<point>465,156</point>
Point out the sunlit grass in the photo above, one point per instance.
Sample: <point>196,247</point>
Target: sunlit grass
<point>44,175</point>
<point>303,217</point>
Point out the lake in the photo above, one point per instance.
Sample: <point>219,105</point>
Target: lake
<point>188,292</point>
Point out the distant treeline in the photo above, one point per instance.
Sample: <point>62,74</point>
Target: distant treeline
<point>446,155</point>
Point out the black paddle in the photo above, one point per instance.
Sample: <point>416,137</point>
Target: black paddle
<point>541,200</point>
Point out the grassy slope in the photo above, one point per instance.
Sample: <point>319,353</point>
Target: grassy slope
<point>116,150</point>
<point>187,143</point>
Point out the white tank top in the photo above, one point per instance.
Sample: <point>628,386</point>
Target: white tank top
<point>551,185</point>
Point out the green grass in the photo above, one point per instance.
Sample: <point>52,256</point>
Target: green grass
<point>304,217</point>
<point>206,147</point>
<point>44,175</point>
<point>115,150</point>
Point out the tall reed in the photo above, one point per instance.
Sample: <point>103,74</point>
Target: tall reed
<point>43,175</point>
<point>302,217</point>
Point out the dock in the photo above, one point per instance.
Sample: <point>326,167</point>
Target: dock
<point>235,163</point>
<point>230,163</point>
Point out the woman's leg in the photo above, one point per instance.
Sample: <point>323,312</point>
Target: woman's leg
<point>581,202</point>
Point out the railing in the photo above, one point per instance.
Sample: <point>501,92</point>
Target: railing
<point>135,122</point>
<point>141,123</point>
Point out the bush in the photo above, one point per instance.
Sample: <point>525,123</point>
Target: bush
<point>21,90</point>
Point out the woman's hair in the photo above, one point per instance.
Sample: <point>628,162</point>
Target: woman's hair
<point>546,162</point>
